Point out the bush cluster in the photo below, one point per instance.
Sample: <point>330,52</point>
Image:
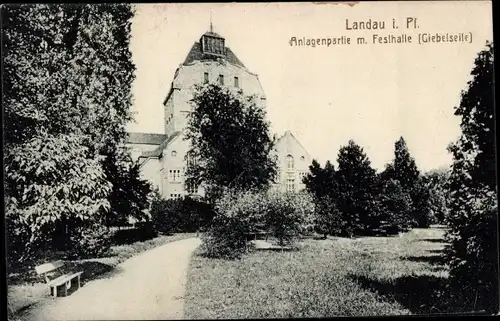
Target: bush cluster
<point>184,215</point>
<point>238,214</point>
<point>90,241</point>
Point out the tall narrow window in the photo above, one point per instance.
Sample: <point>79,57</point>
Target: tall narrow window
<point>289,162</point>
<point>290,185</point>
<point>236,82</point>
<point>221,80</point>
<point>205,79</point>
<point>174,175</point>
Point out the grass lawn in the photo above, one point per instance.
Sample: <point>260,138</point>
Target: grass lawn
<point>26,289</point>
<point>325,278</point>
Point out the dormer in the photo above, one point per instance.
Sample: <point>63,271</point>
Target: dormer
<point>213,44</point>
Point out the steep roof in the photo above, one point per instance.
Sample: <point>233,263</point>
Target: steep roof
<point>196,54</point>
<point>158,150</point>
<point>212,34</point>
<point>145,138</point>
<point>288,134</point>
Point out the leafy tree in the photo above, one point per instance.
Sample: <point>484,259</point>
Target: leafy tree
<point>230,141</point>
<point>473,218</point>
<point>50,180</point>
<point>314,180</point>
<point>356,179</point>
<point>67,78</point>
<point>68,68</point>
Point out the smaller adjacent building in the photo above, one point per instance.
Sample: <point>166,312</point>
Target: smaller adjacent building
<point>293,163</point>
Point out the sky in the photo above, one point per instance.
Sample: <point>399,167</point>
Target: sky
<point>372,93</point>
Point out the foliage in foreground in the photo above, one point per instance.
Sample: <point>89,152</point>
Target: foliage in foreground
<point>473,217</point>
<point>67,76</point>
<point>51,180</point>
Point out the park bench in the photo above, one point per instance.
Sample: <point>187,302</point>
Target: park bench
<point>56,278</point>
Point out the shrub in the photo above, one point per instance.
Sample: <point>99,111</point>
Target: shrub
<point>237,214</point>
<point>90,241</point>
<point>164,214</point>
<point>472,252</point>
<point>142,232</point>
<point>180,215</point>
<point>284,216</point>
<point>17,236</point>
<point>288,215</point>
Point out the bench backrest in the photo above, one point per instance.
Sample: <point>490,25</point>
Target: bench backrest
<point>48,267</point>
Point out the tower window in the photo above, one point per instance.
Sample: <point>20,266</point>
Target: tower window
<point>213,45</point>
<point>205,79</point>
<point>236,82</point>
<point>221,80</point>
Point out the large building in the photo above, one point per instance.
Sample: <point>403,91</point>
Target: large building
<point>162,156</point>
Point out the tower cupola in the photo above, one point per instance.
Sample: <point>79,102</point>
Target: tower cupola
<point>213,43</point>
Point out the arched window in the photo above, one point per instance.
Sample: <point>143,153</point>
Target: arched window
<point>289,162</point>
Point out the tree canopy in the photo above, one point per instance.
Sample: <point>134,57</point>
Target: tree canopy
<point>230,141</point>
<point>67,95</point>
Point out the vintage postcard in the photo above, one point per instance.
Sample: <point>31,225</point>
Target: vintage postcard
<point>249,160</point>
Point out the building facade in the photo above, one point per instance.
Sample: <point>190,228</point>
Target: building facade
<point>293,163</point>
<point>162,157</point>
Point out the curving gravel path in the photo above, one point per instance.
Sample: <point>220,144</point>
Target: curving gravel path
<point>148,286</point>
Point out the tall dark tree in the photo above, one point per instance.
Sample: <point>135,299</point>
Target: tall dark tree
<point>394,207</point>
<point>356,179</point>
<point>321,181</point>
<point>403,167</point>
<point>230,141</point>
<point>129,195</point>
<point>473,218</point>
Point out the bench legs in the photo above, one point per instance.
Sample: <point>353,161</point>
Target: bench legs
<point>67,284</point>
